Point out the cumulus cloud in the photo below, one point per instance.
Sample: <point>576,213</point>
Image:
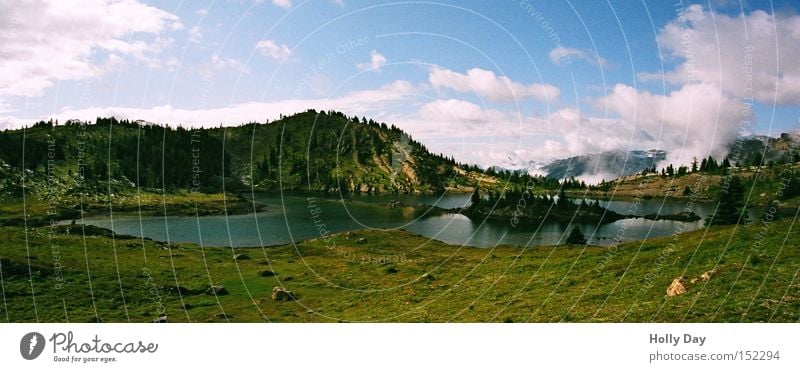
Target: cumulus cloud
<point>488,85</point>
<point>724,63</point>
<point>564,55</point>
<point>454,111</point>
<point>46,41</point>
<point>218,63</point>
<point>695,120</point>
<point>356,102</point>
<point>488,136</point>
<point>583,134</point>
<point>195,35</point>
<point>376,61</point>
<point>750,55</point>
<point>273,50</point>
<point>285,4</point>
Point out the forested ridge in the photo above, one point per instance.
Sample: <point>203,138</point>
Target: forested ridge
<point>318,151</point>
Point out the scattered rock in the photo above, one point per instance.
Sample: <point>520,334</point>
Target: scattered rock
<point>161,319</point>
<point>218,290</point>
<point>282,294</point>
<point>267,273</point>
<point>241,257</point>
<point>706,276</point>
<point>676,288</point>
<point>178,290</point>
<point>428,277</point>
<point>361,240</point>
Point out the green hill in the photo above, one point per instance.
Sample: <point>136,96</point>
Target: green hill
<point>316,151</point>
<point>122,166</point>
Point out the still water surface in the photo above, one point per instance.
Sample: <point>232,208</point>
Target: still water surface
<point>295,217</point>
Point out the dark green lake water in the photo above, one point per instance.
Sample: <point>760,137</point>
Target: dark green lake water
<point>289,218</point>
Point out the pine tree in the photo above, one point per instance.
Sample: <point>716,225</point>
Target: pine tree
<point>562,201</point>
<point>792,188</point>
<point>476,196</point>
<point>576,236</point>
<point>731,208</point>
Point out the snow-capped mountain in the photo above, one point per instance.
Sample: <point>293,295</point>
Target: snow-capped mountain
<point>608,165</point>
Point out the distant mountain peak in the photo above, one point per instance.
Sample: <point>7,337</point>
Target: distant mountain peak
<point>611,164</point>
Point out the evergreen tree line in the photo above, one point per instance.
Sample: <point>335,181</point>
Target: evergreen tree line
<point>148,156</point>
<point>311,150</point>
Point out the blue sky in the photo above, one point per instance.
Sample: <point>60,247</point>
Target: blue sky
<point>491,82</point>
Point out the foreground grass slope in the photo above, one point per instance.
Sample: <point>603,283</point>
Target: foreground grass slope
<point>397,276</point>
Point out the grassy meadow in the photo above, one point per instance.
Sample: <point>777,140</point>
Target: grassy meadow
<point>86,275</point>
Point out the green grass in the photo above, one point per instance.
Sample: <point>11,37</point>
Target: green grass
<point>349,282</point>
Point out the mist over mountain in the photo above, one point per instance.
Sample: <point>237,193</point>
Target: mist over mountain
<point>593,168</point>
<point>606,165</point>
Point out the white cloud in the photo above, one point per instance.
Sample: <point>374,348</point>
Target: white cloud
<point>751,55</point>
<point>695,120</point>
<point>11,122</point>
<point>482,135</point>
<point>488,85</point>
<point>218,63</point>
<point>46,41</point>
<point>564,55</point>
<point>195,35</point>
<point>723,61</point>
<point>376,61</point>
<point>581,134</point>
<point>361,102</point>
<point>172,63</point>
<point>285,4</point>
<point>201,12</point>
<point>273,50</point>
<point>454,111</point>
